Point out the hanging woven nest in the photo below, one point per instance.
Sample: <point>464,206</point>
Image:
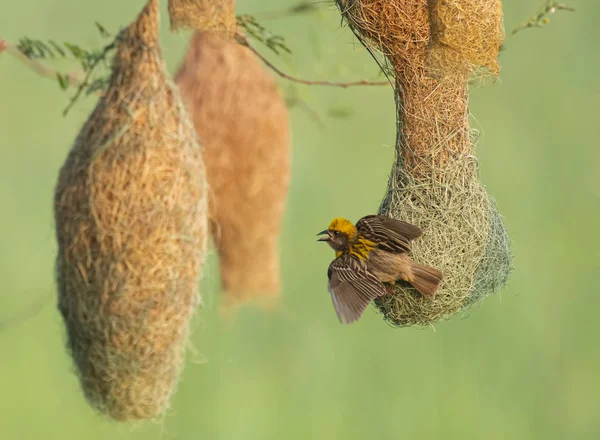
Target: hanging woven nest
<point>131,224</point>
<point>242,119</point>
<point>434,181</point>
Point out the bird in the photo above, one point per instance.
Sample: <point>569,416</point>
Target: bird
<point>368,255</point>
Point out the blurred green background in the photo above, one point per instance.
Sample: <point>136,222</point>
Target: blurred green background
<point>523,365</point>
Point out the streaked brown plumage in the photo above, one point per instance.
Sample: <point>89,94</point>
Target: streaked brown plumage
<point>369,254</point>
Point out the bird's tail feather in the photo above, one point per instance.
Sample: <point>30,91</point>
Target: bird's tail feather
<point>426,279</point>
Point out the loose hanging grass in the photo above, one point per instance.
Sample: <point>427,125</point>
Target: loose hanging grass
<point>131,225</point>
<point>434,179</point>
<point>242,119</point>
<point>466,36</point>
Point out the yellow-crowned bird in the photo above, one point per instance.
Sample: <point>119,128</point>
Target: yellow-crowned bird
<point>369,254</point>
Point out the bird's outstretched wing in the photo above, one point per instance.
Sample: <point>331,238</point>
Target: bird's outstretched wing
<point>391,235</point>
<point>352,287</point>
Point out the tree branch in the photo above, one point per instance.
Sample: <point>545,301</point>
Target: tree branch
<point>541,18</point>
<point>29,312</point>
<point>78,80</point>
<point>241,39</point>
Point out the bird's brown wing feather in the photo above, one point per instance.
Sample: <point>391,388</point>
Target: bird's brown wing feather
<point>352,287</point>
<point>389,234</point>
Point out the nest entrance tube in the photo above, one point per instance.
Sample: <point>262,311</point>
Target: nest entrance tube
<point>131,223</point>
<point>434,181</point>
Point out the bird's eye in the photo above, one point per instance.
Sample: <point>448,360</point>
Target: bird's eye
<point>335,232</point>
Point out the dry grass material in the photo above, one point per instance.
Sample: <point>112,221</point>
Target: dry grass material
<point>463,236</point>
<point>434,180</point>
<point>203,15</point>
<point>431,111</point>
<point>242,119</point>
<point>466,36</point>
<point>131,224</point>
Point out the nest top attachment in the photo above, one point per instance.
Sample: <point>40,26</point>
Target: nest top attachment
<point>449,37</point>
<point>204,15</point>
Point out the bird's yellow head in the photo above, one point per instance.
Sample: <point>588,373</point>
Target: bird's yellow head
<point>342,226</point>
<point>339,234</point>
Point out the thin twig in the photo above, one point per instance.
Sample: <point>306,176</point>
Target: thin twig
<point>88,75</point>
<point>244,42</point>
<point>541,18</point>
<point>78,80</point>
<point>294,100</point>
<point>28,313</point>
<point>81,82</point>
<point>39,68</point>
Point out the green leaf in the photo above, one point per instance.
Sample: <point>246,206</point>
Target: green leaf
<point>97,85</point>
<point>341,112</point>
<point>43,50</point>
<point>25,47</point>
<point>63,80</point>
<point>304,7</point>
<point>57,48</point>
<point>75,50</point>
<point>103,32</point>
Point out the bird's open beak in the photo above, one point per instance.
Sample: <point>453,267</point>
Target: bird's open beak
<point>327,236</point>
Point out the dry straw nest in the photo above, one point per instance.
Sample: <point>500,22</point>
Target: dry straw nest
<point>131,225</point>
<point>242,120</point>
<point>434,180</point>
<point>203,15</point>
